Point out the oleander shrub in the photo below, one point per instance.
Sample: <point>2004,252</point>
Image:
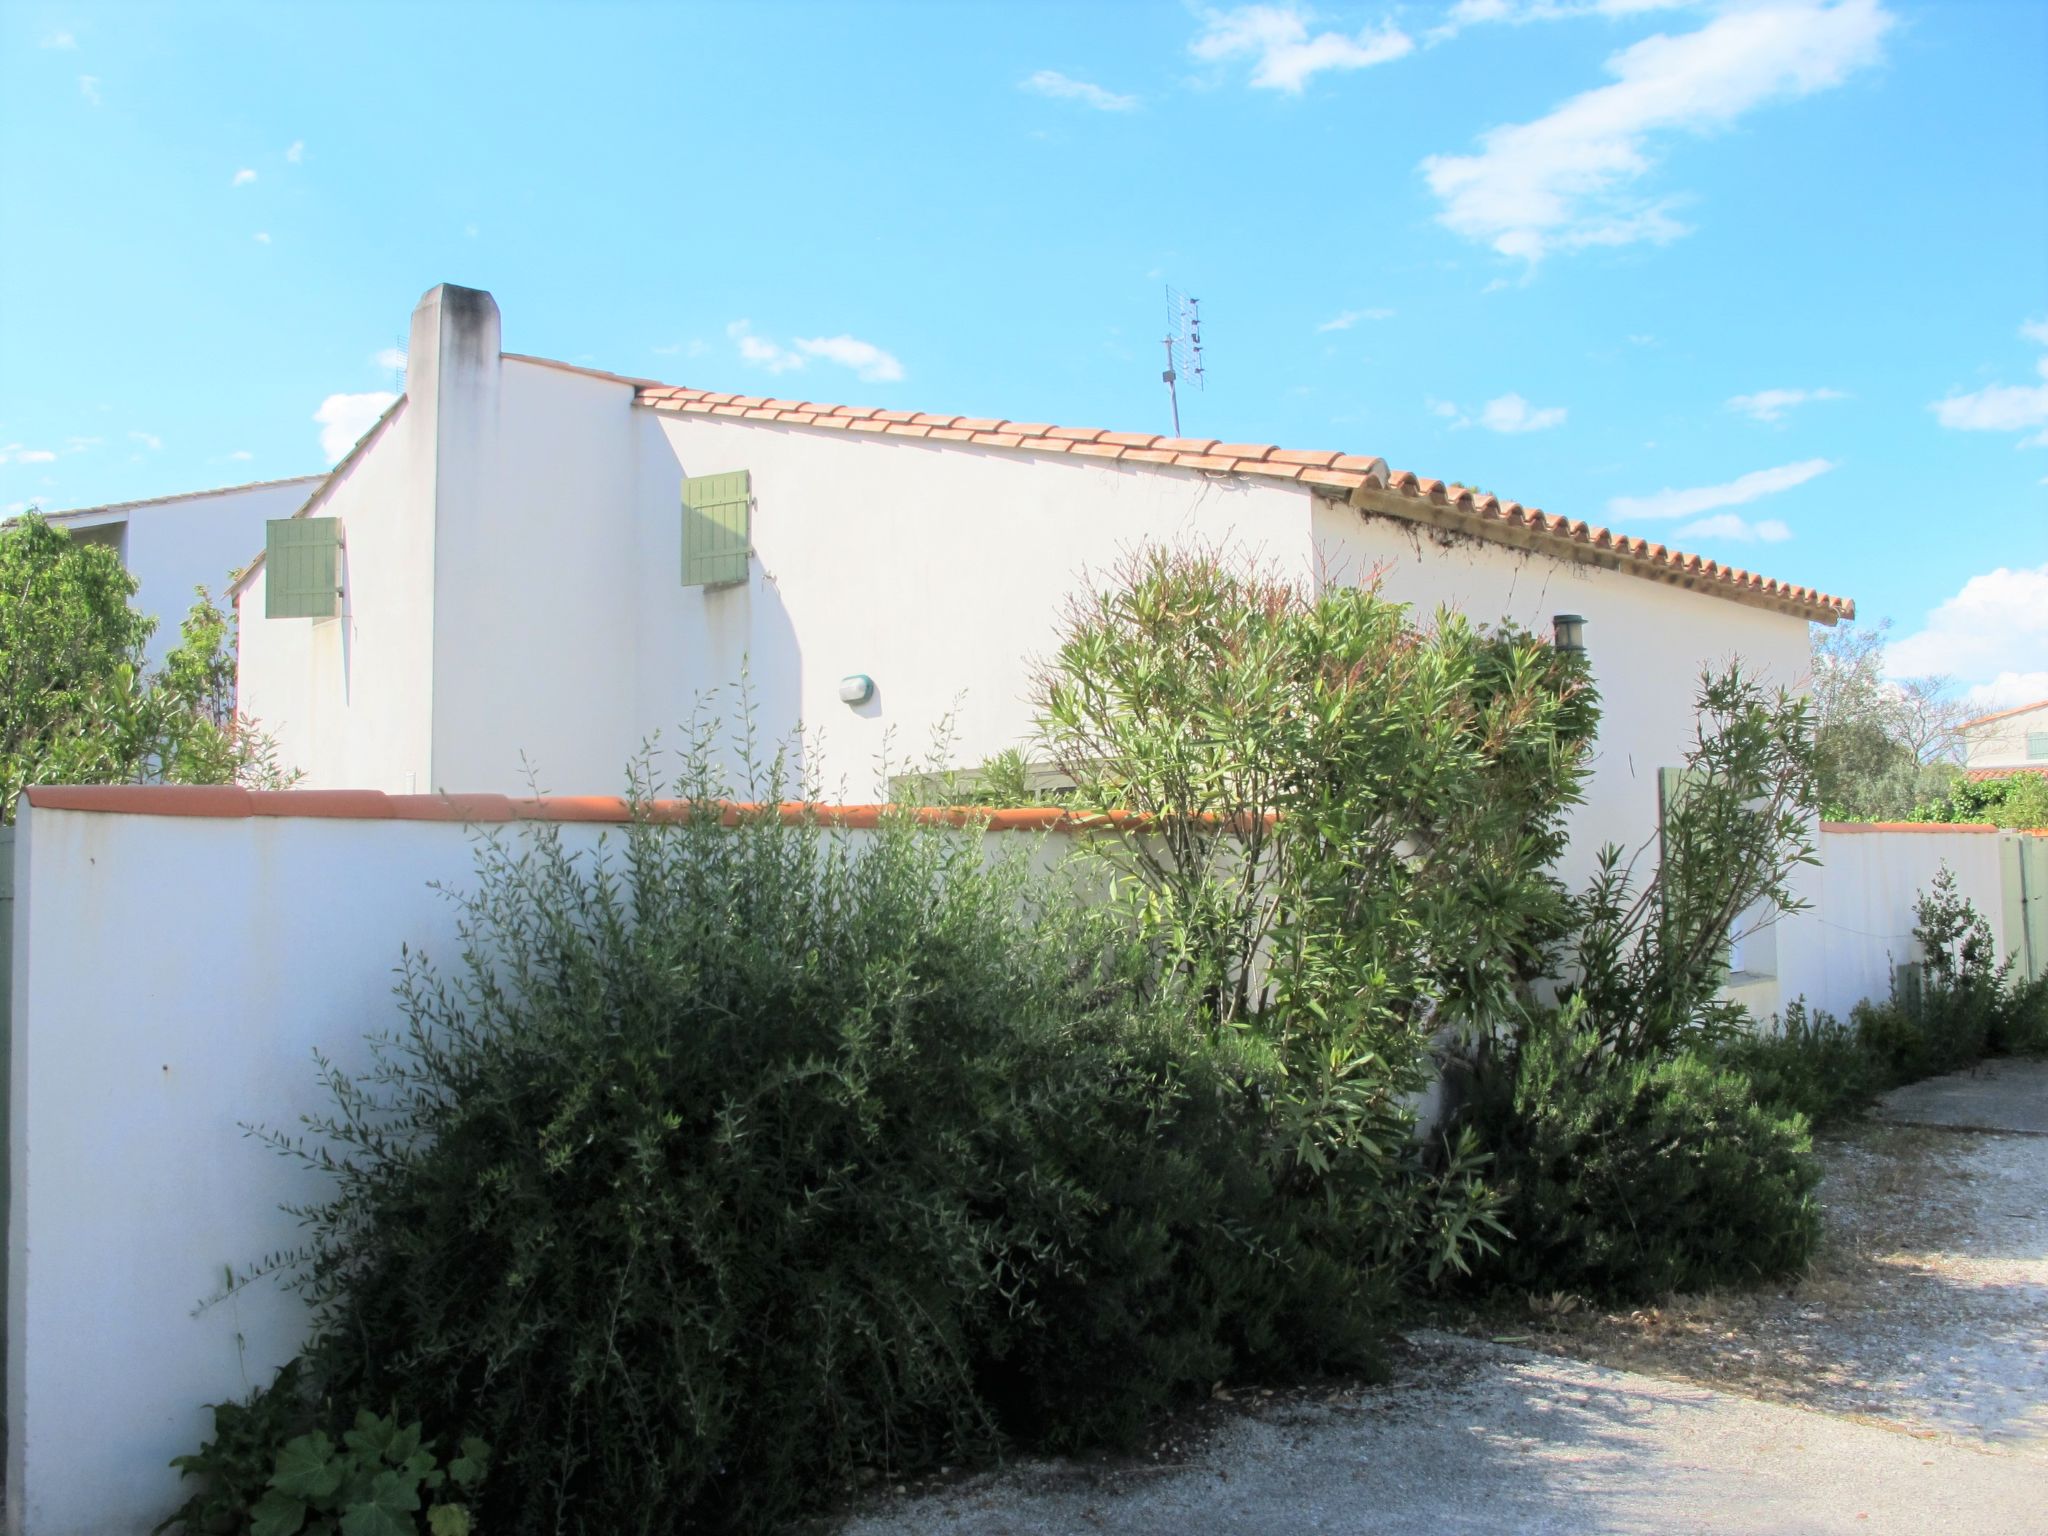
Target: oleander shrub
<point>740,1155</point>
<point>1628,1178</point>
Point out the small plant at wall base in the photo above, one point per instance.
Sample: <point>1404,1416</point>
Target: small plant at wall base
<point>269,1470</point>
<point>1964,1003</point>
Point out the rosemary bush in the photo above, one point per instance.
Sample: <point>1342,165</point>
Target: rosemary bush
<point>729,1160</point>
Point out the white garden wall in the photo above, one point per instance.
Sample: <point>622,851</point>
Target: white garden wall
<point>1871,877</point>
<point>147,1033</point>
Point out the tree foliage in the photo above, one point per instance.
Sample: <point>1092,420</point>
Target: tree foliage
<point>78,704</point>
<point>1881,746</point>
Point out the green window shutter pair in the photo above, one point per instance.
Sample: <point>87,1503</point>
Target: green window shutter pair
<point>2037,745</point>
<point>302,568</point>
<point>718,534</point>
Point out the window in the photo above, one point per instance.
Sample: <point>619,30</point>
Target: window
<point>717,528</point>
<point>302,568</point>
<point>2037,746</point>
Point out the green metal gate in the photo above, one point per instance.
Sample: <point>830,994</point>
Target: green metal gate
<point>2024,870</point>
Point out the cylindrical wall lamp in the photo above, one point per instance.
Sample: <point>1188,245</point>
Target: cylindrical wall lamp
<point>1568,633</point>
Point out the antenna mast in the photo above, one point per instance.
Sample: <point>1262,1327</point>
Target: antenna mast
<point>1183,347</point>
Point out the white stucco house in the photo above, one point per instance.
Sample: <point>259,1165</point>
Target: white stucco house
<point>2010,741</point>
<point>172,544</point>
<point>527,561</point>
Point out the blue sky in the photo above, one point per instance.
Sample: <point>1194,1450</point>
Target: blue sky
<point>1764,280</point>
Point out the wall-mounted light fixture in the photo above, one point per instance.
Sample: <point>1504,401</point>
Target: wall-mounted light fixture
<point>1568,633</point>
<point>857,689</point>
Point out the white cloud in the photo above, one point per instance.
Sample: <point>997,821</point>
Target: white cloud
<point>867,360</point>
<point>296,153</point>
<point>241,455</point>
<point>36,456</point>
<point>760,351</point>
<point>344,419</point>
<point>1771,404</point>
<point>1511,413</point>
<point>58,40</point>
<point>694,347</point>
<point>2008,690</point>
<point>1286,55</point>
<point>261,237</point>
<point>1706,498</point>
<point>148,440</point>
<point>80,444</point>
<point>1472,13</point>
<point>390,359</point>
<point>243,177</point>
<point>89,88</point>
<point>1732,525</point>
<point>1050,82</point>
<point>1447,411</point>
<point>1351,317</point>
<point>1997,624</point>
<point>2004,407</point>
<point>1563,181</point>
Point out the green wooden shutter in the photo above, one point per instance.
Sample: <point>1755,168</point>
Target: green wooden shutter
<point>717,528</point>
<point>302,568</point>
<point>2037,745</point>
<point>1673,785</point>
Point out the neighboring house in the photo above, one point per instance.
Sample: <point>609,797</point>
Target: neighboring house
<point>172,544</point>
<point>529,562</point>
<point>2011,741</point>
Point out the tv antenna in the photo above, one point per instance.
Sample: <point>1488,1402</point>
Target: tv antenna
<point>1183,347</point>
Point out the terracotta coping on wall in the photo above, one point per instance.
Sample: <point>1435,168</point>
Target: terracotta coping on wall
<point>1927,826</point>
<point>227,803</point>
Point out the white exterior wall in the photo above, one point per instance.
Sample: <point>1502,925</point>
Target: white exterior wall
<point>1871,879</point>
<point>2002,743</point>
<point>535,643</point>
<point>177,543</point>
<point>938,571</point>
<point>350,700</point>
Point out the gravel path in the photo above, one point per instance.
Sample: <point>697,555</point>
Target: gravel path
<point>1928,1307</point>
<point>1901,1386</point>
<point>1473,1437</point>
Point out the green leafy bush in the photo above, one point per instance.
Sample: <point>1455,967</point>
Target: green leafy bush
<point>1631,1178</point>
<point>1812,1064</point>
<point>265,1472</point>
<point>742,1155</point>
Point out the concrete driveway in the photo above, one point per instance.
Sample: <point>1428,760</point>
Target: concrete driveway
<point>1893,1412</point>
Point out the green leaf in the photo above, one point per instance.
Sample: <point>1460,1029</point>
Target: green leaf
<point>388,1511</point>
<point>372,1435</point>
<point>470,1467</point>
<point>277,1514</point>
<point>307,1468</point>
<point>448,1520</point>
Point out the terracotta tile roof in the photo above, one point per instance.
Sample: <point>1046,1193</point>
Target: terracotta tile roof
<point>1366,482</point>
<point>2004,714</point>
<point>1978,775</point>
